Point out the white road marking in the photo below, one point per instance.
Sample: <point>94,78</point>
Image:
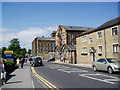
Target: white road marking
<point>96,79</point>
<point>79,71</point>
<point>114,80</point>
<point>102,80</point>
<point>69,71</point>
<point>106,75</point>
<point>52,68</point>
<point>64,71</point>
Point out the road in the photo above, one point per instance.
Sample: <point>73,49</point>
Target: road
<point>67,76</point>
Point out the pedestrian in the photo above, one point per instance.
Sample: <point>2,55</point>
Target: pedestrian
<point>18,61</point>
<point>64,59</point>
<point>3,71</point>
<point>22,62</point>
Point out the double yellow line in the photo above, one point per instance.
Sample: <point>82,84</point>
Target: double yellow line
<point>47,83</point>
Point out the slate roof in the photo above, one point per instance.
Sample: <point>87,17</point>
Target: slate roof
<point>71,47</point>
<point>75,28</point>
<point>108,24</point>
<point>46,38</point>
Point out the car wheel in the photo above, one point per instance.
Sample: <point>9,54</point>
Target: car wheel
<point>110,70</point>
<point>94,68</point>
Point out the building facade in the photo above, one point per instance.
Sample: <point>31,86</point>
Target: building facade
<point>66,42</point>
<point>42,46</point>
<point>101,42</point>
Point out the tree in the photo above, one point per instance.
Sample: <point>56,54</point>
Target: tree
<point>0,52</point>
<point>3,49</point>
<point>29,51</point>
<point>23,52</point>
<point>15,46</point>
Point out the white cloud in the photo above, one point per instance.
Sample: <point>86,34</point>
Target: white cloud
<point>26,36</point>
<point>5,29</point>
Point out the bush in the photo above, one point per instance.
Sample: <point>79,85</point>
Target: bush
<point>10,62</point>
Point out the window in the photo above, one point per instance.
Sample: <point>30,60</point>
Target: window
<point>60,31</point>
<point>75,42</point>
<point>75,35</point>
<point>70,36</point>
<point>114,31</point>
<point>45,44</point>
<point>63,37</point>
<point>100,49</point>
<point>115,48</point>
<point>84,49</point>
<point>83,38</point>
<point>99,35</point>
<point>71,43</point>
<point>66,55</point>
<point>90,40</point>
<point>53,46</point>
<point>101,60</point>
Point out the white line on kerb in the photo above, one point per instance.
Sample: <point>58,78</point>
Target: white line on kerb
<point>33,84</point>
<point>1,87</point>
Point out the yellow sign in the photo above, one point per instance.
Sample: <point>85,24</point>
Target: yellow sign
<point>8,52</point>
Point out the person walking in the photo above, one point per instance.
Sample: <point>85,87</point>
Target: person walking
<point>22,62</point>
<point>3,71</point>
<point>64,60</point>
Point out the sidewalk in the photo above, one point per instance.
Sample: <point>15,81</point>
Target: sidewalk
<point>81,65</point>
<point>20,78</point>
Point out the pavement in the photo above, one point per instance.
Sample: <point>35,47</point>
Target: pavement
<point>81,65</point>
<point>20,78</point>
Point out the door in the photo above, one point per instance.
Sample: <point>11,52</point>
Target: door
<point>104,65</point>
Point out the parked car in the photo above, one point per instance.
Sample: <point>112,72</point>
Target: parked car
<point>53,59</point>
<point>107,64</point>
<point>36,61</point>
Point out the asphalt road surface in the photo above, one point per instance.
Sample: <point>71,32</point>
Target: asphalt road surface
<point>67,76</point>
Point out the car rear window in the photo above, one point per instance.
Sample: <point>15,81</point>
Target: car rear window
<point>38,58</point>
<point>112,60</point>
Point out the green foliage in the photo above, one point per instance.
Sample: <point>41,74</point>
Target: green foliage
<point>29,51</point>
<point>15,46</point>
<point>3,49</point>
<point>23,52</point>
<point>9,62</point>
<point>0,52</point>
<point>16,55</point>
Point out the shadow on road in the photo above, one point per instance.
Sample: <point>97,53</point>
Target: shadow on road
<point>10,76</point>
<point>14,82</point>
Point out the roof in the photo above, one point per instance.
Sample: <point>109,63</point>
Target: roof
<point>108,24</point>
<point>75,28</point>
<point>46,38</point>
<point>71,47</point>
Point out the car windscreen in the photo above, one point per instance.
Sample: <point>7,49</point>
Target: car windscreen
<point>113,60</point>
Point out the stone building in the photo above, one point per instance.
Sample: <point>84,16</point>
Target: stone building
<point>53,34</point>
<point>66,42</point>
<point>43,46</point>
<point>101,42</point>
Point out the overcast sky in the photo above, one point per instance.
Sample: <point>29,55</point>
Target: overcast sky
<point>27,20</point>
